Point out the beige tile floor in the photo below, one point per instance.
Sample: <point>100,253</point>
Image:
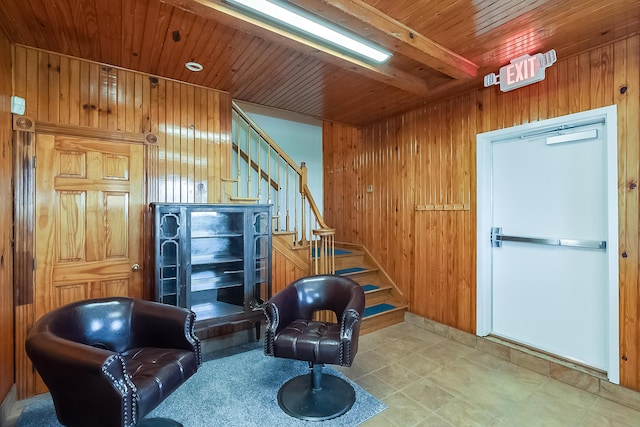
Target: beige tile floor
<point>429,380</point>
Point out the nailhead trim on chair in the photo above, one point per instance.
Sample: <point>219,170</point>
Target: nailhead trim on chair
<point>135,397</point>
<point>189,332</point>
<point>123,386</point>
<point>268,343</point>
<point>342,332</point>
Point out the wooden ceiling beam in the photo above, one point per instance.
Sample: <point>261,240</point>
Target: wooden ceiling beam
<point>219,11</point>
<point>363,19</point>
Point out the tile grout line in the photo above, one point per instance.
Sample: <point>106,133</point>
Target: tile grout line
<point>565,370</point>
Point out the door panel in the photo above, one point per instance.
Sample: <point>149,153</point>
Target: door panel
<point>89,211</point>
<point>550,190</point>
<point>551,297</point>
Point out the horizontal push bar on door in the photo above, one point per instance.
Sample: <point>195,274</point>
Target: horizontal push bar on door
<point>497,238</point>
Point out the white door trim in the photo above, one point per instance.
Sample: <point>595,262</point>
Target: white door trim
<point>608,115</point>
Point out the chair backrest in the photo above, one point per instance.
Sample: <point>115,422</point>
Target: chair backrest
<point>327,292</point>
<point>101,323</point>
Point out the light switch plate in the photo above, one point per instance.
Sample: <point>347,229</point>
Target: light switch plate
<point>17,105</point>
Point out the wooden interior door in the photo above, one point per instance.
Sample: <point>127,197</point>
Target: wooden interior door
<point>89,207</point>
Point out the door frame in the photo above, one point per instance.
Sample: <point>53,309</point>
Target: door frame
<point>24,163</point>
<point>484,169</point>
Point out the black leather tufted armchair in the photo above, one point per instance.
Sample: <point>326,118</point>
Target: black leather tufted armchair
<point>110,361</point>
<point>292,333</point>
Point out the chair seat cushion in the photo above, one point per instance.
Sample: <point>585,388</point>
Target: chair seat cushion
<point>309,340</point>
<point>157,372</point>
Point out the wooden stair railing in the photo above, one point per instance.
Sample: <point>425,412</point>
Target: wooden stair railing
<point>264,173</point>
<point>323,244</point>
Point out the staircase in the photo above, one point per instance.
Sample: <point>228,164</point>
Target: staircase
<point>384,306</point>
<point>303,244</point>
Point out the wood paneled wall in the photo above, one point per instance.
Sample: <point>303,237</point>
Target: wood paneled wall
<point>193,124</point>
<point>419,220</point>
<point>6,224</point>
<point>283,271</point>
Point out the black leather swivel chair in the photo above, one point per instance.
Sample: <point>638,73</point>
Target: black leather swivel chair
<point>110,361</point>
<point>292,333</point>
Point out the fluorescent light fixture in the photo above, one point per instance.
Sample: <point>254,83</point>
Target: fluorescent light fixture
<point>303,24</point>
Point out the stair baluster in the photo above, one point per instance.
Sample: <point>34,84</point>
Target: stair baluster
<point>288,192</point>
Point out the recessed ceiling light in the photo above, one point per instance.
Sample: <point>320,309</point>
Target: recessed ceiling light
<point>194,66</point>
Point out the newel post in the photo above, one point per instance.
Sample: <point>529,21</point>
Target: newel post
<point>303,197</point>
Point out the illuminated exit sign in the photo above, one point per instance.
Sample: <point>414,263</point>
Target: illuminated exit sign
<point>522,71</point>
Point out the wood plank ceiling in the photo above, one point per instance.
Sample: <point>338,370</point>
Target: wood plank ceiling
<point>437,45</point>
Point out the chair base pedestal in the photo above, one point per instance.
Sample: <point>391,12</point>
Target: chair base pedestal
<point>316,397</point>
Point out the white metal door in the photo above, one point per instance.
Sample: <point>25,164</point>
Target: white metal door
<point>549,271</point>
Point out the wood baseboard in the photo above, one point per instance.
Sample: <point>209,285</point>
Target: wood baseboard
<point>573,374</point>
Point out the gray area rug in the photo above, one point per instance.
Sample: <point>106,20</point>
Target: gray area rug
<point>239,390</point>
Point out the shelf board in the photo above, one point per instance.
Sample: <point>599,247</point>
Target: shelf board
<point>215,309</point>
<point>206,285</point>
<point>214,235</point>
<point>208,259</point>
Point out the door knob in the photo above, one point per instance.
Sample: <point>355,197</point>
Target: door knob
<point>135,267</point>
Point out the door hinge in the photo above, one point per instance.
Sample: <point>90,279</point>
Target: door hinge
<point>34,162</point>
<point>34,264</point>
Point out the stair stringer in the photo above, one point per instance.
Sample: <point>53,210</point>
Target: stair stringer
<point>369,260</point>
<point>292,262</point>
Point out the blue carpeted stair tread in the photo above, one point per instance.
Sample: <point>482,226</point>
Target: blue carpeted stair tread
<point>377,309</point>
<point>350,270</point>
<point>369,287</point>
<point>336,252</point>
<point>341,252</point>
